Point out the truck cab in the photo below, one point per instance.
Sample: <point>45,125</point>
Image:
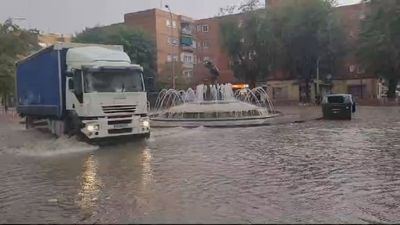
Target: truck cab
<point>106,92</point>
<point>86,89</point>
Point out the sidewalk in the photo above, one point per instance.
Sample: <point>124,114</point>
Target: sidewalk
<point>10,116</point>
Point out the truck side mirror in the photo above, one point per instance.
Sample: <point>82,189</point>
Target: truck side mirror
<point>70,84</point>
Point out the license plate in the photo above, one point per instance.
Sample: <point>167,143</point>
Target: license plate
<point>118,126</point>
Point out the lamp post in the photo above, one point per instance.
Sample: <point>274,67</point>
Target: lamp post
<point>172,46</point>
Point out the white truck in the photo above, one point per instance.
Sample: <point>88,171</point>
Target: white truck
<point>86,89</point>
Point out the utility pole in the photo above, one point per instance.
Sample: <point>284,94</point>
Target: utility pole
<point>172,46</point>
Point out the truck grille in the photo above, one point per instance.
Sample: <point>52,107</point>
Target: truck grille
<point>119,109</point>
<point>120,131</point>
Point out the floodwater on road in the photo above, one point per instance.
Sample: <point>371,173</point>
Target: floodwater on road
<point>314,172</point>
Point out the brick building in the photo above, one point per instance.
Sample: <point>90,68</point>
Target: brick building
<point>194,41</point>
<point>174,39</point>
<point>210,48</point>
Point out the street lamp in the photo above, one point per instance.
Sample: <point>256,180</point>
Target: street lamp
<point>317,90</point>
<point>172,46</point>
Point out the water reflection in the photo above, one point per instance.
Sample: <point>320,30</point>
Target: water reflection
<point>90,186</point>
<point>315,172</point>
<point>147,169</point>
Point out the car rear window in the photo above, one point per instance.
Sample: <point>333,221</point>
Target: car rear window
<point>336,99</point>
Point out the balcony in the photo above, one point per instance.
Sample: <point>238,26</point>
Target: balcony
<point>188,65</point>
<point>187,43</point>
<point>187,28</point>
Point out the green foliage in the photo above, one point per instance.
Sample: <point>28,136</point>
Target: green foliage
<point>250,45</point>
<point>379,44</point>
<point>14,44</point>
<point>137,44</point>
<point>312,36</point>
<point>294,37</point>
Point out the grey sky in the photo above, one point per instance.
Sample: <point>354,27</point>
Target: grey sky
<point>70,16</point>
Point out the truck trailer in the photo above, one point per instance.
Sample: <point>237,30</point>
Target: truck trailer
<point>86,89</point>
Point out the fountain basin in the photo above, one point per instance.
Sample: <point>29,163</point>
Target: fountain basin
<point>221,107</point>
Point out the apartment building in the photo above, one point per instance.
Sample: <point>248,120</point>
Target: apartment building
<point>190,42</point>
<point>210,49</point>
<point>175,43</point>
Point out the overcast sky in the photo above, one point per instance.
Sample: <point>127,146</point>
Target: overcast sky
<point>70,16</point>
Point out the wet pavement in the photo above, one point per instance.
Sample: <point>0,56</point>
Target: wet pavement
<point>312,172</point>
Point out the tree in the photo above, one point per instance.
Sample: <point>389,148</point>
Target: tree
<point>295,37</point>
<point>137,44</point>
<point>249,42</point>
<point>15,43</point>
<point>312,36</point>
<point>379,41</point>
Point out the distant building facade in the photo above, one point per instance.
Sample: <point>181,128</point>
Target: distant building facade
<point>47,39</point>
<point>175,41</point>
<point>194,41</point>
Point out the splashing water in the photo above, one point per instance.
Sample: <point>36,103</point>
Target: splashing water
<point>213,102</point>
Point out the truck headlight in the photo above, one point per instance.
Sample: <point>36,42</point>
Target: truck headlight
<point>93,127</point>
<point>146,123</point>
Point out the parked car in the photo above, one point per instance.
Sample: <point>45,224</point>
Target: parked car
<point>338,106</point>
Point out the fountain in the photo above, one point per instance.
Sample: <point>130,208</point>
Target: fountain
<point>215,105</point>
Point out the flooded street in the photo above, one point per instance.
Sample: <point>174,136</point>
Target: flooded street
<point>313,172</point>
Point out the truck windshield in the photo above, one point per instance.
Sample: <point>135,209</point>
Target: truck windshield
<point>114,81</point>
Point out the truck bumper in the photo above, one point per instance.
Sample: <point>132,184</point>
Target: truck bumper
<point>116,127</point>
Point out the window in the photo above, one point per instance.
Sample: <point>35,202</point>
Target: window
<point>170,23</point>
<point>360,70</point>
<point>170,57</point>
<point>336,99</point>
<point>173,41</point>
<point>194,59</point>
<point>114,81</point>
<point>240,23</point>
<point>198,28</point>
<point>352,68</point>
<point>188,74</point>
<point>204,28</point>
<point>187,59</point>
<point>205,44</point>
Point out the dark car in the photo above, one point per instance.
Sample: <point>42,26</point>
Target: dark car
<point>339,106</point>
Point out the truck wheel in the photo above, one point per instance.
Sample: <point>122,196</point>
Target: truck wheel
<point>57,127</point>
<point>72,125</point>
<point>348,116</point>
<point>28,122</point>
